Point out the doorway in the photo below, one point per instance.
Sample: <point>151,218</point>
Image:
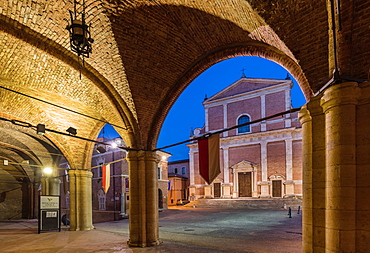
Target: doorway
<point>245,184</point>
<point>217,190</point>
<point>276,188</point>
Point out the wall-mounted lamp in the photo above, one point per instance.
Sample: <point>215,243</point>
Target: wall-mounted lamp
<point>6,162</point>
<point>72,130</point>
<point>47,171</point>
<point>40,129</point>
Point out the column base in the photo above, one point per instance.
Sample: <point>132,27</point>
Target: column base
<point>289,188</point>
<point>81,229</point>
<point>143,244</point>
<point>265,190</point>
<point>226,191</point>
<point>208,192</point>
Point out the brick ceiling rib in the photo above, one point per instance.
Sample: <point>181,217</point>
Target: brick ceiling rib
<point>148,51</point>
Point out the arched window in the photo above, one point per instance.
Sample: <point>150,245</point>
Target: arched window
<point>244,129</point>
<point>102,199</point>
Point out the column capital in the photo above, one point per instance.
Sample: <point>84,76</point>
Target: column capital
<point>80,173</point>
<point>304,115</point>
<point>143,155</point>
<point>339,95</point>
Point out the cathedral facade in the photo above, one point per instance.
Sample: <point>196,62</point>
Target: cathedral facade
<point>260,160</point>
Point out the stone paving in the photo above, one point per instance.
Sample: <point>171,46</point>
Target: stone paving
<point>182,230</point>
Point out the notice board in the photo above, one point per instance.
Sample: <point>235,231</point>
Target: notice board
<point>49,213</point>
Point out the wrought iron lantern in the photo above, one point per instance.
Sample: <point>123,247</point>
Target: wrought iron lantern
<point>80,37</point>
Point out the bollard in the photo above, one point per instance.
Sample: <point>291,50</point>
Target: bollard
<point>290,212</point>
<point>299,209</point>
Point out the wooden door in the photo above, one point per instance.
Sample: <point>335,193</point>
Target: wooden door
<point>217,190</point>
<point>276,188</point>
<point>245,184</point>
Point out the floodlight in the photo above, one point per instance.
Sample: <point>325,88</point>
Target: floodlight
<point>41,129</point>
<point>72,130</point>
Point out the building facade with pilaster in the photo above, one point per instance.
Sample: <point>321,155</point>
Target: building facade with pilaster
<point>260,160</point>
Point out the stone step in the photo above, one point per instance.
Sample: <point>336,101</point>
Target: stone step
<point>248,203</point>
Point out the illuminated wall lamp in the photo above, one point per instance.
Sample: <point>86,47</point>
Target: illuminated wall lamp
<point>47,171</point>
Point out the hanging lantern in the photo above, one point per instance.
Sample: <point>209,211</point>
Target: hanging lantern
<point>80,37</point>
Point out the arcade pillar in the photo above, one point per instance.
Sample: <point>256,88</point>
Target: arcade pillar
<point>80,200</point>
<point>336,162</point>
<point>144,225</point>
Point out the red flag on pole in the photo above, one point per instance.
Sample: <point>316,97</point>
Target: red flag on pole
<point>209,157</point>
<point>105,183</point>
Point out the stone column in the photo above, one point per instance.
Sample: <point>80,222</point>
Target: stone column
<point>307,226</point>
<point>80,199</point>
<point>312,119</point>
<point>51,184</point>
<point>339,104</point>
<point>144,226</point>
<point>363,171</point>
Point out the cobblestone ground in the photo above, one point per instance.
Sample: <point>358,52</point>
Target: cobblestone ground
<point>181,230</point>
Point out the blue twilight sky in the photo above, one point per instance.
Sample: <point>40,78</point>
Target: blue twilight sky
<point>188,113</point>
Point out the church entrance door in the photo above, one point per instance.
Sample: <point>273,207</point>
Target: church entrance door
<point>245,184</point>
<point>217,190</point>
<point>276,188</point>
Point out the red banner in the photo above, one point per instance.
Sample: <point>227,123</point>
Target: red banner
<point>209,157</point>
<point>105,182</point>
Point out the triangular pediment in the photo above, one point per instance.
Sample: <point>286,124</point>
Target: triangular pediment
<point>244,86</point>
<point>244,164</point>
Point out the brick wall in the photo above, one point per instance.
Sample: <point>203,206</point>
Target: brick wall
<point>276,158</point>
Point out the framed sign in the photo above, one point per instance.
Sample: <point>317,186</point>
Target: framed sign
<point>49,202</point>
<point>49,213</point>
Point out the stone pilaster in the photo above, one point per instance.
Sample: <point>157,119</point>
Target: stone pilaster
<point>289,183</point>
<point>263,112</point>
<point>144,226</point>
<point>208,191</point>
<point>339,104</point>
<point>225,134</point>
<point>80,199</point>
<point>265,187</point>
<point>226,186</point>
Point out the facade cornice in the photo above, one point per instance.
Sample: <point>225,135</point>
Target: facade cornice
<point>292,133</point>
